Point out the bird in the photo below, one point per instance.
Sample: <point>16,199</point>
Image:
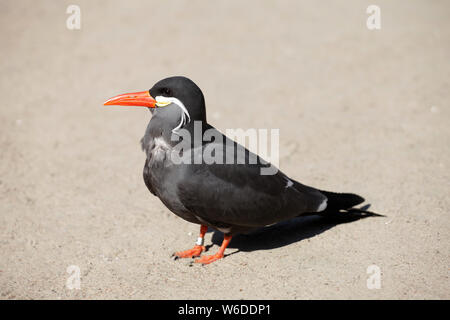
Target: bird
<point>230,194</point>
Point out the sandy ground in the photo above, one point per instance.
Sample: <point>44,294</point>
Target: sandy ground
<point>358,110</point>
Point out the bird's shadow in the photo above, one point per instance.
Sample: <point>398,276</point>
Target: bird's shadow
<point>287,232</point>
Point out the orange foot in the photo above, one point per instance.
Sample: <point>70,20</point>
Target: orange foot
<point>194,252</point>
<point>218,255</point>
<point>209,259</point>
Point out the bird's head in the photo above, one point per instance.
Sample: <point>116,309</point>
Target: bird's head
<point>178,99</point>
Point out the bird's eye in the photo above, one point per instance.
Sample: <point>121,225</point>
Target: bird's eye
<point>166,91</point>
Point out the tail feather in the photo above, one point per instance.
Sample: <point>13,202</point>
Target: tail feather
<point>340,208</point>
<point>341,201</point>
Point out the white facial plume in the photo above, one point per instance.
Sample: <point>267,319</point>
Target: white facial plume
<point>162,101</point>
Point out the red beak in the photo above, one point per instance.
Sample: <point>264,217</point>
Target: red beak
<point>140,99</point>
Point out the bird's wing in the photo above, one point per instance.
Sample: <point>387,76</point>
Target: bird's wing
<point>238,194</point>
<point>147,180</point>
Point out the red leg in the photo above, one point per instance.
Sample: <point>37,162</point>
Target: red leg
<point>218,255</point>
<point>197,249</point>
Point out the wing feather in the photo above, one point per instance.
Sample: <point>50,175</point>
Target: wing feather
<point>237,194</point>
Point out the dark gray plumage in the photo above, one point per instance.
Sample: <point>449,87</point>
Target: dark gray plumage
<point>228,190</point>
<point>233,198</point>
